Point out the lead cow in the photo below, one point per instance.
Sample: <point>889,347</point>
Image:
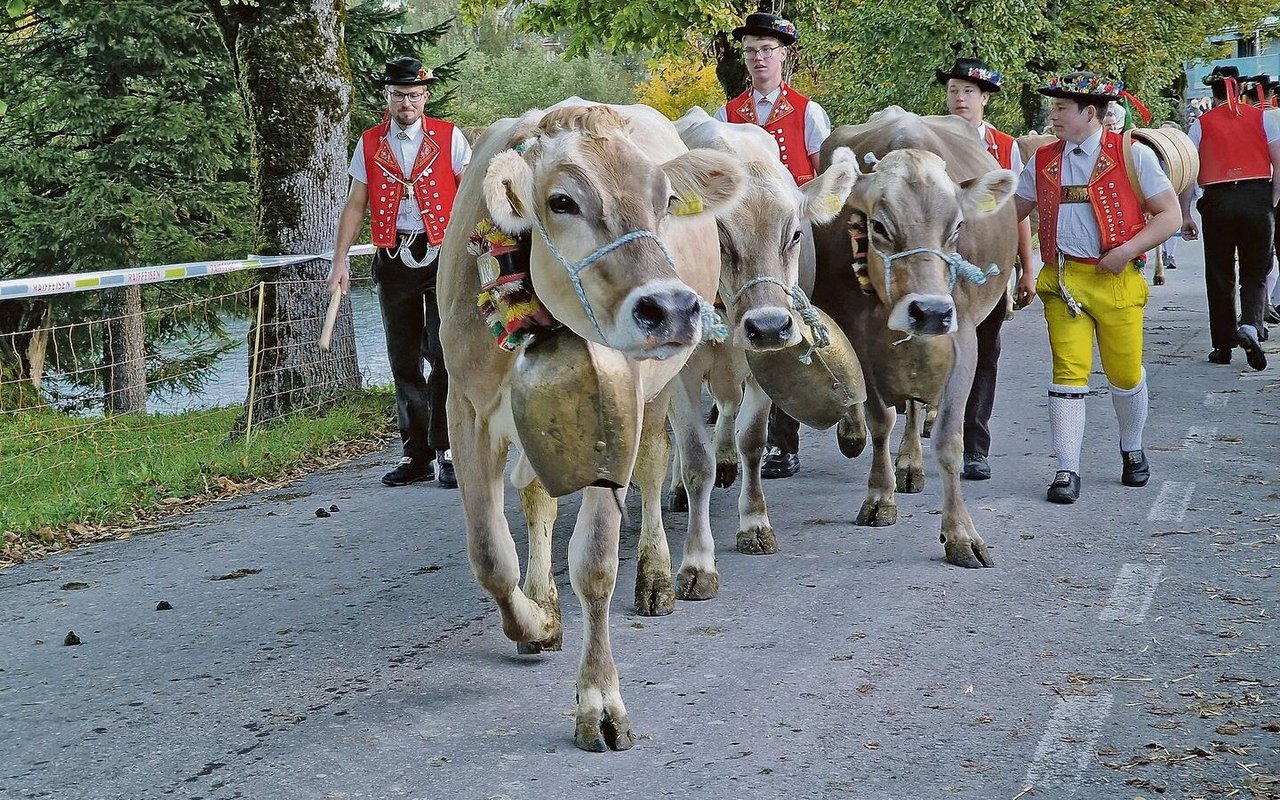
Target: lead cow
<point>583,178</point>
<point>933,207</point>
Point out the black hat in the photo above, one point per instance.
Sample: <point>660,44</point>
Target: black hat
<point>405,72</point>
<point>767,25</point>
<point>1220,73</point>
<point>974,70</point>
<point>1085,86</point>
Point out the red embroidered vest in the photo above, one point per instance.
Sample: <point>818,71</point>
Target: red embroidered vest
<point>1000,146</point>
<point>786,123</point>
<point>434,184</point>
<point>1115,204</point>
<point>1233,147</point>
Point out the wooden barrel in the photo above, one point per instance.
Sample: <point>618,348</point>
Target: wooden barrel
<point>1031,142</point>
<point>1178,156</point>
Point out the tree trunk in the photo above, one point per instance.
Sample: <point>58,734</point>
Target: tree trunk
<point>292,67</point>
<point>731,70</point>
<point>124,352</point>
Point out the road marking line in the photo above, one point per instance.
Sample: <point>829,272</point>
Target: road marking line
<point>1131,597</point>
<point>1258,376</point>
<point>1198,438</point>
<point>1216,400</point>
<point>1068,743</point>
<point>1171,503</point>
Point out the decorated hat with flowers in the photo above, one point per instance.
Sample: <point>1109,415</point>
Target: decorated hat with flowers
<point>762,24</point>
<point>974,70</point>
<point>405,72</point>
<point>1083,86</point>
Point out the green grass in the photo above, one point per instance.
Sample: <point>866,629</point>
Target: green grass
<point>62,479</point>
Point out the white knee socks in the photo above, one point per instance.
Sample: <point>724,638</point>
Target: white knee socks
<point>1131,413</point>
<point>1066,424</point>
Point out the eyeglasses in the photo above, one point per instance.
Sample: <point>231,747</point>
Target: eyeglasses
<point>410,96</point>
<point>765,52</point>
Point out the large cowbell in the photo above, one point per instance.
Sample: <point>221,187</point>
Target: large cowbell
<point>577,409</point>
<point>820,392</point>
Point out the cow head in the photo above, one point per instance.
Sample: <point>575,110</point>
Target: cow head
<point>584,181</point>
<point>915,215</point>
<point>761,239</point>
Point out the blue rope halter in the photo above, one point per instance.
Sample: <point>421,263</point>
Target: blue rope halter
<point>712,329</point>
<point>958,268</point>
<point>800,302</point>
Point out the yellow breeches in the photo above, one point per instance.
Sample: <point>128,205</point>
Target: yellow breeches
<point>1111,309</point>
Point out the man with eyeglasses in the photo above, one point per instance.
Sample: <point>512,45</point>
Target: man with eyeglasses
<point>799,125</point>
<point>405,173</point>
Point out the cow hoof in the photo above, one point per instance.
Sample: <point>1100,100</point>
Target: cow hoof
<point>877,513</point>
<point>552,644</point>
<point>910,480</point>
<point>696,584</point>
<point>967,554</point>
<point>1158,280</point>
<point>596,734</point>
<point>655,597</point>
<point>758,541</point>
<point>930,417</point>
<point>677,501</point>
<point>726,474</point>
<point>851,436</point>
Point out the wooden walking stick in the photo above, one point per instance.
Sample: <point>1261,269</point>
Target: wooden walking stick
<point>330,319</point>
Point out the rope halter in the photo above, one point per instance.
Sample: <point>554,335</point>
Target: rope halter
<point>958,267</point>
<point>800,302</point>
<point>711,329</point>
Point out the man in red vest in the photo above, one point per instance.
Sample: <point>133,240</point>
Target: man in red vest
<point>970,83</point>
<point>1239,149</point>
<point>405,173</point>
<point>1094,232</point>
<point>799,125</point>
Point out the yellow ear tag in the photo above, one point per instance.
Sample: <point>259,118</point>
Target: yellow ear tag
<point>829,203</point>
<point>688,205</point>
<point>988,203</point>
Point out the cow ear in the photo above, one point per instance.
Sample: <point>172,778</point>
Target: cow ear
<point>982,196</point>
<point>824,196</point>
<point>704,180</point>
<point>508,192</point>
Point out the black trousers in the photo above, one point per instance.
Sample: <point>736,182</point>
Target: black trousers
<point>982,397</point>
<point>784,431</point>
<point>1237,221</point>
<point>411,322</point>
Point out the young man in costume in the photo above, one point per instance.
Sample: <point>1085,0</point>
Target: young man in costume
<point>405,172</point>
<point>970,83</point>
<point>1093,237</point>
<point>799,125</point>
<point>1239,148</point>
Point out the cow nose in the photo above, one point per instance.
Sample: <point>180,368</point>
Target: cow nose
<point>765,328</point>
<point>670,312</point>
<point>931,317</point>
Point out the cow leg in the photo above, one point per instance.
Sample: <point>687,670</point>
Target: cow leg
<point>602,720</point>
<point>698,578</point>
<point>491,550</point>
<point>726,388</point>
<point>908,468</point>
<point>655,593</point>
<point>851,432</point>
<point>540,511</point>
<point>755,534</point>
<point>930,419</point>
<point>879,508</point>
<point>960,538</point>
<point>677,499</point>
<point>1158,278</point>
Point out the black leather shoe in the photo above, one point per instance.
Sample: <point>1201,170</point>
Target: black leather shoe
<point>1136,471</point>
<point>1220,355</point>
<point>1065,487</point>
<point>448,478</point>
<point>408,471</point>
<point>1272,315</point>
<point>1247,337</point>
<point>778,464</point>
<point>976,467</point>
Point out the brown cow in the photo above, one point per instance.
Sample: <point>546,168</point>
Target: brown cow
<point>587,179</point>
<point>933,208</point>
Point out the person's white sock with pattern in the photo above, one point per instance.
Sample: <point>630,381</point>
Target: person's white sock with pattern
<point>1066,424</point>
<point>1131,413</point>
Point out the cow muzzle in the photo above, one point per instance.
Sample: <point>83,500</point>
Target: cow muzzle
<point>924,315</point>
<point>767,328</point>
<point>658,320</point>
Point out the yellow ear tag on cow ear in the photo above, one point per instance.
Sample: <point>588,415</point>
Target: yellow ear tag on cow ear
<point>687,205</point>
<point>829,203</point>
<point>988,204</point>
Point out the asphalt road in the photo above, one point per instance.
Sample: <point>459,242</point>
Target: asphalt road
<point>1123,647</point>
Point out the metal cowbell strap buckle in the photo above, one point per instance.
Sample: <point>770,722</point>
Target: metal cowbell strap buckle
<point>800,302</point>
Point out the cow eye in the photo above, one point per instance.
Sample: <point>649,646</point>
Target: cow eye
<point>562,204</point>
<point>878,228</point>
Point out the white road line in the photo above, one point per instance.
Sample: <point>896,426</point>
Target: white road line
<point>1259,376</point>
<point>1171,503</point>
<point>1198,438</point>
<point>1131,597</point>
<point>1216,400</point>
<point>1068,744</point>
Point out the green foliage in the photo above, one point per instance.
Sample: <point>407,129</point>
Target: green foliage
<point>122,470</point>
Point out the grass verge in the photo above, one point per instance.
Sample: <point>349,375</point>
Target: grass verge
<point>66,480</point>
